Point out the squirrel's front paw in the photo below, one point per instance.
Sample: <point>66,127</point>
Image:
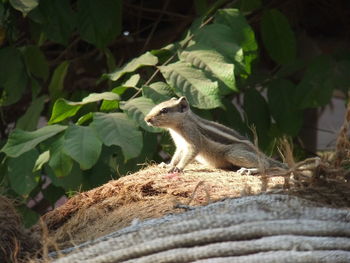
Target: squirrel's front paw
<point>175,170</point>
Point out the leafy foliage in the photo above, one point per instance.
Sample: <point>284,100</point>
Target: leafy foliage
<point>91,136</point>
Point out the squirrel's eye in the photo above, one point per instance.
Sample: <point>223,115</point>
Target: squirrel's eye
<point>164,110</point>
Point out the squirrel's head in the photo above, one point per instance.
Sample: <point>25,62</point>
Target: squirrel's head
<point>168,113</point>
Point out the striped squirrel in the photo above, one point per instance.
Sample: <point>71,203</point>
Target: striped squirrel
<point>206,141</point>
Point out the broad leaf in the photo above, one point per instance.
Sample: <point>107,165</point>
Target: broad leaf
<point>231,117</point>
<point>64,109</point>
<point>249,5</point>
<point>71,182</point>
<point>241,32</point>
<point>13,77</point>
<point>117,129</point>
<point>36,62</point>
<point>157,92</point>
<point>132,81</point>
<point>278,37</point>
<point>20,172</point>
<point>222,40</point>
<point>316,87</point>
<point>56,18</point>
<point>258,115</point>
<point>137,109</point>
<point>57,81</point>
<point>24,6</point>
<point>60,162</point>
<point>29,120</point>
<point>43,158</point>
<point>22,141</point>
<point>192,83</point>
<point>82,144</point>
<point>283,108</point>
<point>210,60</point>
<point>146,59</point>
<point>99,22</point>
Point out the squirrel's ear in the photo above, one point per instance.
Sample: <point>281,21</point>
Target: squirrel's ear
<point>183,103</point>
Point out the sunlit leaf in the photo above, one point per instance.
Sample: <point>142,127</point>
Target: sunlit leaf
<point>192,83</point>
<point>158,92</point>
<point>24,6</point>
<point>137,109</point>
<point>64,109</point>
<point>42,159</point>
<point>211,61</point>
<point>146,59</point>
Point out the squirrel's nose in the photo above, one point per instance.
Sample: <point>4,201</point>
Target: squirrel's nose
<point>148,119</point>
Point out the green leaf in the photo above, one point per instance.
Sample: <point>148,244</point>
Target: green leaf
<point>230,116</point>
<point>22,141</point>
<point>157,92</point>
<point>70,182</point>
<point>53,193</point>
<point>278,37</point>
<point>283,109</point>
<point>99,22</point>
<point>57,81</point>
<point>211,61</point>
<point>258,115</point>
<point>222,40</point>
<point>20,174</point>
<point>192,83</point>
<point>316,87</point>
<point>247,6</point>
<point>24,6</point>
<point>29,120</point>
<point>86,117</point>
<point>200,6</point>
<point>28,215</point>
<point>242,34</point>
<point>117,129</point>
<point>36,62</point>
<point>132,81</point>
<point>64,109</point>
<point>83,145</point>
<point>42,159</point>
<point>57,19</point>
<point>137,109</point>
<point>13,77</point>
<point>341,74</point>
<point>93,97</point>
<point>146,59</point>
<point>60,162</point>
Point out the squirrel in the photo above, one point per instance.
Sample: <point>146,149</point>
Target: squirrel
<point>206,141</point>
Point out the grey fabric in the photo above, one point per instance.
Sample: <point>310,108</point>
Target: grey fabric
<point>263,228</point>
